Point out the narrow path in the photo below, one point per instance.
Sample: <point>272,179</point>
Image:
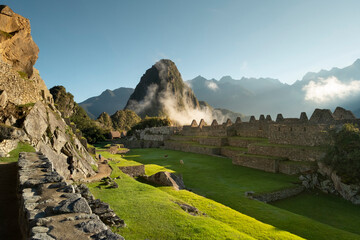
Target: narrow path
<point>104,171</point>
<point>9,205</point>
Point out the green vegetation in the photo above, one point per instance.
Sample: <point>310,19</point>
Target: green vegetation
<point>94,167</point>
<point>316,205</point>
<point>23,75</point>
<point>260,156</point>
<point>91,131</point>
<point>196,144</point>
<point>217,179</point>
<point>161,218</point>
<point>344,155</point>
<point>65,103</point>
<point>255,139</point>
<point>240,149</point>
<point>14,154</point>
<point>266,144</point>
<point>6,34</point>
<point>149,122</point>
<point>124,120</point>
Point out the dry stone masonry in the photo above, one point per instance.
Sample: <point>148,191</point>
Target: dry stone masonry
<point>287,145</point>
<point>53,209</point>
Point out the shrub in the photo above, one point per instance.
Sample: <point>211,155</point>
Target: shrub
<point>344,155</point>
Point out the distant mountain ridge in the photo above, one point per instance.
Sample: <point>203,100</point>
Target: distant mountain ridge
<point>108,101</point>
<point>255,96</point>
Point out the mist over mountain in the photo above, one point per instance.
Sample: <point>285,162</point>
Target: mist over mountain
<point>162,92</point>
<point>108,101</point>
<point>255,96</point>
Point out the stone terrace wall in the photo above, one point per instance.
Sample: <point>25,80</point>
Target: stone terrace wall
<point>50,208</point>
<point>300,134</point>
<point>213,131</point>
<point>255,128</point>
<point>296,153</point>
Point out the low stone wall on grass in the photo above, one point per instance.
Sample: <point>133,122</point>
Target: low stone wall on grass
<point>278,195</point>
<point>133,171</point>
<point>50,207</point>
<point>264,163</point>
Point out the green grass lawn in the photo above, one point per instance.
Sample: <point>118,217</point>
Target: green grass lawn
<point>14,154</point>
<point>217,179</point>
<point>151,213</point>
<point>325,208</point>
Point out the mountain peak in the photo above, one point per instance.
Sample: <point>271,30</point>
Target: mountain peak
<point>160,87</point>
<point>357,62</point>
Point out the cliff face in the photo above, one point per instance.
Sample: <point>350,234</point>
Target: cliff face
<point>27,112</point>
<point>18,54</point>
<point>159,88</point>
<point>17,46</point>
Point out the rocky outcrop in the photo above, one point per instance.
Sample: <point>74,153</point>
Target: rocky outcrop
<point>18,54</point>
<point>6,146</point>
<point>64,101</point>
<point>327,180</point>
<point>42,126</point>
<point>16,44</point>
<point>167,179</point>
<point>50,208</point>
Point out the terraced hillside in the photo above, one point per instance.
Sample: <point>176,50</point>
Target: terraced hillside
<point>251,152</point>
<point>218,192</point>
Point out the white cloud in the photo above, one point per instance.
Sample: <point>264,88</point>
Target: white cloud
<point>244,66</point>
<point>330,89</point>
<point>213,86</point>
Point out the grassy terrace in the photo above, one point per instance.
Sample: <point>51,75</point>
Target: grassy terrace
<point>255,139</point>
<point>151,213</point>
<point>14,154</point>
<point>240,149</point>
<point>193,144</point>
<point>267,144</point>
<point>212,179</point>
<point>260,156</point>
<point>343,214</point>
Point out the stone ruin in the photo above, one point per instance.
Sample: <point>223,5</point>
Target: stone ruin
<point>297,131</point>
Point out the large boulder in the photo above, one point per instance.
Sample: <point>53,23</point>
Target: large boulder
<point>16,44</point>
<point>167,179</point>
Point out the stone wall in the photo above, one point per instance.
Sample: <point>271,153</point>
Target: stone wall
<point>50,208</point>
<point>230,153</point>
<point>133,171</point>
<point>188,147</point>
<point>212,141</point>
<point>300,134</point>
<point>241,142</point>
<point>22,90</point>
<point>157,133</point>
<point>7,146</point>
<point>292,168</point>
<point>293,153</point>
<point>254,128</point>
<point>264,163</point>
<point>278,195</point>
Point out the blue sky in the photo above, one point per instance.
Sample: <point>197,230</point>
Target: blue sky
<point>89,46</point>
